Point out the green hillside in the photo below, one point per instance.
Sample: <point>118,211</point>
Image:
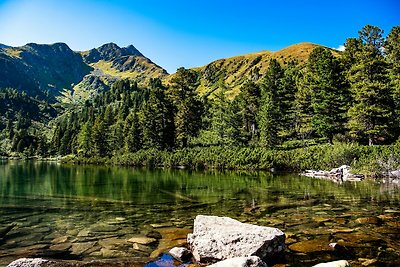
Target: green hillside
<point>229,74</point>
<point>55,72</point>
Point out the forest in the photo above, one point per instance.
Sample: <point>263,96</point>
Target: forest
<point>346,103</point>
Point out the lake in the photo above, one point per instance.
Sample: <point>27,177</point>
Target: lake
<point>93,212</point>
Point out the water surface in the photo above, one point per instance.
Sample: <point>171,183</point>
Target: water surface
<point>89,212</point>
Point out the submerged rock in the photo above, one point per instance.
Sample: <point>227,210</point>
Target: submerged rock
<point>171,237</point>
<point>369,262</point>
<point>219,238</point>
<point>180,253</point>
<point>310,246</point>
<point>81,248</point>
<point>29,262</point>
<point>341,263</point>
<point>5,230</point>
<point>251,261</point>
<point>143,240</point>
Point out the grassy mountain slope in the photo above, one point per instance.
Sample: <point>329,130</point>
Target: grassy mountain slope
<point>229,74</point>
<point>41,70</point>
<point>110,63</point>
<point>54,71</point>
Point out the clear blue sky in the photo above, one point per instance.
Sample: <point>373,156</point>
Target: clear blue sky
<point>191,33</point>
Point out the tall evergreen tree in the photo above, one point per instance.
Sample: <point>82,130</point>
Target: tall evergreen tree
<point>303,109</point>
<point>157,121</point>
<point>286,99</point>
<point>269,110</point>
<point>267,120</point>
<point>371,115</point>
<point>188,107</point>
<point>329,92</point>
<point>392,50</point>
<point>249,98</point>
<point>84,140</point>
<point>133,133</point>
<point>99,138</point>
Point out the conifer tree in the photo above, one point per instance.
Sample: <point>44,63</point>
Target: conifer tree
<point>133,133</point>
<point>392,50</point>
<point>267,120</point>
<point>157,121</point>
<point>329,94</point>
<point>371,115</point>
<point>99,138</point>
<point>188,108</point>
<point>286,99</point>
<point>84,140</point>
<point>249,98</point>
<point>269,110</point>
<point>303,108</point>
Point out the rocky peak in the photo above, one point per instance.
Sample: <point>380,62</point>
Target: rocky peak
<point>109,52</point>
<point>46,50</point>
<point>132,51</point>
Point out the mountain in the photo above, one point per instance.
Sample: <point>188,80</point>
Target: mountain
<point>41,70</point>
<point>53,71</point>
<point>56,73</point>
<point>4,46</point>
<point>110,63</point>
<point>231,73</point>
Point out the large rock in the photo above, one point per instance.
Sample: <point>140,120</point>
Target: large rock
<point>29,262</point>
<point>219,238</point>
<point>252,261</point>
<point>340,174</point>
<point>341,263</point>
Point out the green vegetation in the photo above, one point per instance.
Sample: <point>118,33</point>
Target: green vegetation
<point>331,110</point>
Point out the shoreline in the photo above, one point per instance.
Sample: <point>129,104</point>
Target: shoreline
<point>371,161</point>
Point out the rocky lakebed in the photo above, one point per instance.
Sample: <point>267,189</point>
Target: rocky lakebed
<point>117,217</point>
<point>362,240</point>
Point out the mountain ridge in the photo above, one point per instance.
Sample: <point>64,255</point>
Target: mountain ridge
<point>56,72</point>
<point>51,71</point>
<point>230,73</point>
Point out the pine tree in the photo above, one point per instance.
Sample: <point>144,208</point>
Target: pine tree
<point>133,133</point>
<point>303,109</point>
<point>269,110</point>
<point>188,108</point>
<point>84,140</point>
<point>157,121</point>
<point>371,115</point>
<point>99,138</point>
<point>117,136</point>
<point>249,104</point>
<point>286,99</point>
<point>234,125</point>
<point>267,120</point>
<point>392,50</point>
<point>329,94</point>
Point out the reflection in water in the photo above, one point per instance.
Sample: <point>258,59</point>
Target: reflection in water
<point>84,206</point>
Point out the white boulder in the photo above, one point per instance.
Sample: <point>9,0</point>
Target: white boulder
<point>219,238</point>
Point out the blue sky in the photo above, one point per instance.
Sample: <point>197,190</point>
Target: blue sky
<point>191,33</point>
